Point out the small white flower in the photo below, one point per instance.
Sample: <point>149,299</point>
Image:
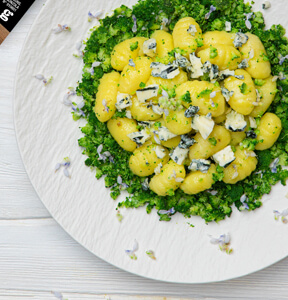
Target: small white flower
<point>283,215</point>
<point>43,79</point>
<point>66,164</point>
<point>223,241</point>
<point>247,22</point>
<point>134,28</point>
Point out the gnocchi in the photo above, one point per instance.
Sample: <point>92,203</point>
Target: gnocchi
<point>175,118</point>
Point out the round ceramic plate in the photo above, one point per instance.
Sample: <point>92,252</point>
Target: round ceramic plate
<point>46,134</point>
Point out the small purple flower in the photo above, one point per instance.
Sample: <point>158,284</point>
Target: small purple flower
<point>79,53</point>
<point>131,253</point>
<point>247,22</point>
<point>94,65</point>
<point>61,28</point>
<point>151,254</point>
<point>242,200</point>
<point>273,165</point>
<point>165,94</point>
<point>212,103</point>
<point>282,59</point>
<point>169,212</point>
<point>66,164</point>
<point>223,241</point>
<point>134,28</point>
<point>212,8</point>
<point>164,22</point>
<point>213,95</point>
<point>166,112</point>
<point>78,109</point>
<point>103,156</point>
<point>43,78</point>
<point>213,193</point>
<point>282,214</point>
<point>95,15</point>
<point>120,181</point>
<point>104,103</point>
<point>58,295</point>
<point>70,92</point>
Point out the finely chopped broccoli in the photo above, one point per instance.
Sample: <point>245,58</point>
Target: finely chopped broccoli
<point>211,206</point>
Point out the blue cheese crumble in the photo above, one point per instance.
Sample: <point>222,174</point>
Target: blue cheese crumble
<point>148,92</point>
<point>202,165</point>
<point>192,30</point>
<point>224,157</point>
<point>160,152</point>
<point>179,155</point>
<point>164,71</point>
<point>186,141</point>
<point>139,137</point>
<point>165,134</point>
<point>203,124</point>
<point>196,68</point>
<point>240,39</point>
<point>149,47</point>
<point>235,122</point>
<point>191,111</point>
<point>226,93</point>
<point>123,101</point>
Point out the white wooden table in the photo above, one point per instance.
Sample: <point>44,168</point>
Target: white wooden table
<point>38,258</point>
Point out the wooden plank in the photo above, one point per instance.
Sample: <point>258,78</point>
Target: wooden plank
<point>36,255</point>
<point>53,295</point>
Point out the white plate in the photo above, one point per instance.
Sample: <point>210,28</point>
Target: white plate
<point>82,206</point>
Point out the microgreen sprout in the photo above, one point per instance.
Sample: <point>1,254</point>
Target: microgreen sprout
<point>212,8</point>
<point>151,254</point>
<point>131,253</point>
<point>223,241</point>
<point>43,78</point>
<point>66,164</point>
<point>95,15</point>
<point>282,214</point>
<point>60,28</point>
<point>119,216</point>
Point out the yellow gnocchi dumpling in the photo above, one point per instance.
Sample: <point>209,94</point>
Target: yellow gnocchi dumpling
<point>119,129</point>
<point>259,65</point>
<point>217,140</point>
<point>168,180</point>
<point>237,137</point>
<point>164,42</point>
<point>177,123</point>
<point>267,93</point>
<point>244,95</point>
<point>131,77</point>
<point>211,38</point>
<point>122,52</point>
<point>185,35</point>
<point>106,96</point>
<point>225,57</point>
<point>244,164</point>
<point>196,182</point>
<point>270,127</point>
<point>141,112</point>
<point>200,95</point>
<point>146,158</point>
